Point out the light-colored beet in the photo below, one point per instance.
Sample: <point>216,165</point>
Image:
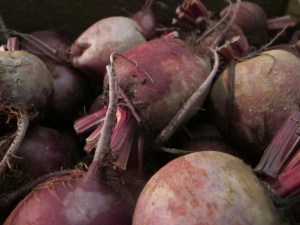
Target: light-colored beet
<point>251,100</point>
<point>91,50</point>
<point>205,188</point>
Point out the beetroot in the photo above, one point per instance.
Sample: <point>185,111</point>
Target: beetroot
<point>205,188</point>
<point>45,150</point>
<point>75,199</point>
<point>252,19</point>
<point>91,50</point>
<point>153,94</point>
<point>70,86</point>
<point>25,81</point>
<point>79,198</point>
<point>159,76</point>
<point>70,94</point>
<point>251,99</point>
<point>26,86</point>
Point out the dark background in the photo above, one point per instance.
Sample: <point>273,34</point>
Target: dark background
<point>71,17</point>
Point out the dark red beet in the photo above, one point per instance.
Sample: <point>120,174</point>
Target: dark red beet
<point>159,76</point>
<point>45,150</point>
<point>70,92</point>
<point>72,200</point>
<point>252,19</point>
<point>80,198</point>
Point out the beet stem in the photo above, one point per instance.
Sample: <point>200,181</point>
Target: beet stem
<point>103,145</point>
<point>281,32</point>
<point>137,66</point>
<point>230,23</point>
<point>210,30</point>
<point>175,151</point>
<point>130,106</point>
<point>23,121</point>
<point>281,149</point>
<point>195,101</point>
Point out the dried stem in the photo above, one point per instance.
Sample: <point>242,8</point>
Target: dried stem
<point>23,121</point>
<point>210,30</point>
<point>103,145</point>
<point>274,38</point>
<point>196,100</point>
<point>175,151</point>
<point>130,106</point>
<point>229,25</point>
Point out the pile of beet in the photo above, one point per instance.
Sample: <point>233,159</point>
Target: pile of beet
<point>142,120</point>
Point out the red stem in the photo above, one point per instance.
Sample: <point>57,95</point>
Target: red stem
<point>281,149</point>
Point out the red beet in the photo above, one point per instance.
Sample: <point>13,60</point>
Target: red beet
<point>80,198</point>
<point>202,188</point>
<point>159,76</point>
<point>26,87</point>
<point>251,100</point>
<point>252,19</point>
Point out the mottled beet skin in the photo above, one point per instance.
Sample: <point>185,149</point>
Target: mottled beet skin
<point>264,91</point>
<point>159,76</point>
<point>205,188</point>
<point>70,200</point>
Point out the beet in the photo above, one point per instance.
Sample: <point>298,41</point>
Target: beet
<point>25,81</point>
<point>82,203</point>
<point>206,187</point>
<point>42,151</point>
<point>81,197</point>
<point>159,77</point>
<point>252,19</point>
<point>26,87</point>
<point>70,94</point>
<point>91,50</point>
<point>250,100</point>
<point>46,150</point>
